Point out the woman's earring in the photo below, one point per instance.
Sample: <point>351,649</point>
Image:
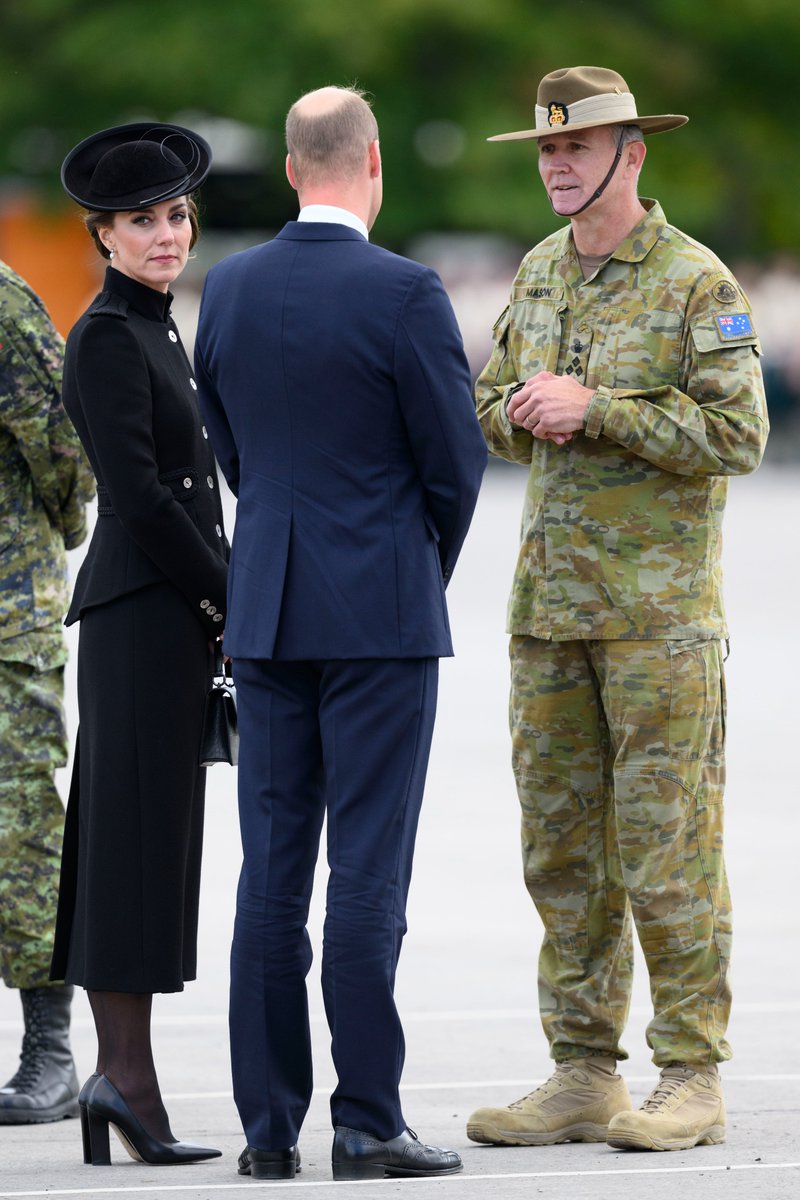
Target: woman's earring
<point>111,254</point>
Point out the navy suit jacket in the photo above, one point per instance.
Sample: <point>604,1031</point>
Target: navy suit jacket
<point>333,382</point>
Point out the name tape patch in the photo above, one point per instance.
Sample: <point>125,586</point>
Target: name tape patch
<point>525,292</point>
<point>735,325</point>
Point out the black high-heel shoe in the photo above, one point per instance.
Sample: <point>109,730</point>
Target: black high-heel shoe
<point>101,1105</point>
<point>83,1099</point>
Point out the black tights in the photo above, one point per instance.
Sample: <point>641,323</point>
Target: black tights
<point>125,1055</point>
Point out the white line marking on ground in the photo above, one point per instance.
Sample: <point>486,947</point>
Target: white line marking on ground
<point>328,1183</point>
<point>487,1084</point>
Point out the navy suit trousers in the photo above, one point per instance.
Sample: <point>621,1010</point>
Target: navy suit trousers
<point>349,738</point>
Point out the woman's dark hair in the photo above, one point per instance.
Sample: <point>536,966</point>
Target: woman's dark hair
<point>104,220</point>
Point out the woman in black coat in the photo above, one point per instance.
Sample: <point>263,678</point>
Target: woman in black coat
<point>150,597</point>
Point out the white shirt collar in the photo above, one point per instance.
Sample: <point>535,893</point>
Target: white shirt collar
<point>332,215</point>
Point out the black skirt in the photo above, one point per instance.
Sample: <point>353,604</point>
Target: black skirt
<point>130,873</point>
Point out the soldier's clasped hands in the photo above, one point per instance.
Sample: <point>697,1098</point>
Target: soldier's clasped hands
<point>550,406</point>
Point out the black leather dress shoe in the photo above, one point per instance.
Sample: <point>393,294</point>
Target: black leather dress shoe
<point>359,1155</point>
<point>269,1164</point>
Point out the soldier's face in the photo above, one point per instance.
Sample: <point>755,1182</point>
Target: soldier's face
<point>151,245</point>
<point>573,165</point>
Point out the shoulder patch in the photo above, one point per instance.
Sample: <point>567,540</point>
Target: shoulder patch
<point>735,325</point>
<point>725,292</point>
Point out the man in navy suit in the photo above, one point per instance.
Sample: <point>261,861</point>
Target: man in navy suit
<point>337,396</point>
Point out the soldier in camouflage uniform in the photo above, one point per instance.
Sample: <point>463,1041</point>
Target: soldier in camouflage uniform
<point>625,374</point>
<point>45,482</point>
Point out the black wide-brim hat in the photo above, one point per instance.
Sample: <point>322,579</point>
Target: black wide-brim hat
<point>135,166</point>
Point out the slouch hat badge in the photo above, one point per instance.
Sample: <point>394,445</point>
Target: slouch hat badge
<point>557,114</point>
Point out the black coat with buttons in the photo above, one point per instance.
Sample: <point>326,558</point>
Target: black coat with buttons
<point>129,391</point>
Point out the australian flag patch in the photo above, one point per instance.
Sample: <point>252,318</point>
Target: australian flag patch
<point>735,325</point>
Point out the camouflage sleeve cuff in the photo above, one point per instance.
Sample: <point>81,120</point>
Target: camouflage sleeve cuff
<point>508,427</point>
<point>595,413</point>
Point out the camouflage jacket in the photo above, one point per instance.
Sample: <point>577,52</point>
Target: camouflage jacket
<point>621,526</point>
<point>45,479</point>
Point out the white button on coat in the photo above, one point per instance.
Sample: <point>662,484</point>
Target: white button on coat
<point>173,337</point>
<point>187,483</point>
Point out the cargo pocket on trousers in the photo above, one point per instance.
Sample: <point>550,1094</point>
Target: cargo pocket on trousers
<point>689,693</point>
<point>554,834</point>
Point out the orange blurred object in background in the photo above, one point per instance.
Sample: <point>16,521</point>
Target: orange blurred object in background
<point>53,253</point>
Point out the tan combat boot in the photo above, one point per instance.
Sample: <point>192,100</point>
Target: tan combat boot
<point>686,1109</point>
<point>574,1105</point>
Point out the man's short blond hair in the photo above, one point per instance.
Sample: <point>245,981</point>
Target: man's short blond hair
<point>328,133</point>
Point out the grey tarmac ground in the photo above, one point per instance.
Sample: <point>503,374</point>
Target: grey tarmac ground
<point>467,977</point>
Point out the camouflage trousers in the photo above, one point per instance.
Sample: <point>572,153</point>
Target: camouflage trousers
<point>618,754</point>
<point>32,744</point>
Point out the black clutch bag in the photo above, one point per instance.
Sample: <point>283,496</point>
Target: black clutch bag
<point>219,740</point>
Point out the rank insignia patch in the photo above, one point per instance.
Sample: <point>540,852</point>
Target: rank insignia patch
<point>557,114</point>
<point>724,292</point>
<point>735,326</point>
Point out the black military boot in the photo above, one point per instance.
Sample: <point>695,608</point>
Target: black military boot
<point>45,1088</point>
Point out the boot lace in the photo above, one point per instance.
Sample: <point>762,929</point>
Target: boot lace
<point>667,1086</point>
<point>32,1057</point>
<point>549,1085</point>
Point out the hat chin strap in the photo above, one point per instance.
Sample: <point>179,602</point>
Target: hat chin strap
<point>598,193</point>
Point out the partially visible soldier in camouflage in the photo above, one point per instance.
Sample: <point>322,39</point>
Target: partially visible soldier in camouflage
<point>626,374</point>
<point>45,482</point>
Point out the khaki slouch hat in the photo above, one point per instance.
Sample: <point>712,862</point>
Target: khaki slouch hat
<point>574,98</point>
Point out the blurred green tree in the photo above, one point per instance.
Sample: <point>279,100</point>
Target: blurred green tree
<point>444,75</point>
